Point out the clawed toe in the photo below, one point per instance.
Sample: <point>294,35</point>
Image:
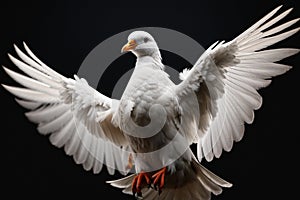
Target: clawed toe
<point>143,179</point>
<point>159,179</point>
<point>140,181</point>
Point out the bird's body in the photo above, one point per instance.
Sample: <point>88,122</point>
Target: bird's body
<point>150,129</point>
<point>149,86</point>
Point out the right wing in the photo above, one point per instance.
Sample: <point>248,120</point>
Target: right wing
<point>77,116</point>
<point>225,82</point>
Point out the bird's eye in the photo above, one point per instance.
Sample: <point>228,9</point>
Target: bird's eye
<point>146,39</point>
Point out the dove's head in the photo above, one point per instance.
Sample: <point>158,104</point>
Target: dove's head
<point>141,44</point>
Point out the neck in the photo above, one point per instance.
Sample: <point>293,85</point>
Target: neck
<point>153,59</point>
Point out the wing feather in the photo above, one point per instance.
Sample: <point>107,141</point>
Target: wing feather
<point>238,69</point>
<point>28,104</point>
<point>68,111</point>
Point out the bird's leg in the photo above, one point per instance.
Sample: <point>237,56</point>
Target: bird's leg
<point>142,179</point>
<point>159,179</point>
<point>130,162</point>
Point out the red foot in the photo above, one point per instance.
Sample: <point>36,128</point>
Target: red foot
<point>141,180</point>
<point>159,179</point>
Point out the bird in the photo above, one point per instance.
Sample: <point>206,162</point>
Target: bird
<point>146,134</point>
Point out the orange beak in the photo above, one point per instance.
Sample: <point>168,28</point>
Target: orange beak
<point>129,46</point>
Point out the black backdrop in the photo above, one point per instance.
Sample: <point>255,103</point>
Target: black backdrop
<point>261,166</point>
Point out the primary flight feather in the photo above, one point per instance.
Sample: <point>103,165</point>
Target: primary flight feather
<point>149,130</point>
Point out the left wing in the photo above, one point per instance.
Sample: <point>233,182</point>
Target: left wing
<point>76,116</point>
<point>224,81</point>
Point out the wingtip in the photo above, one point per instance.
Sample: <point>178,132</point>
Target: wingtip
<point>12,58</point>
<point>10,73</point>
<point>228,185</point>
<point>294,51</point>
<point>27,49</point>
<point>25,46</point>
<point>289,68</point>
<point>294,31</point>
<point>6,69</point>
<point>290,10</point>
<point>6,87</point>
<point>10,89</point>
<point>279,7</point>
<point>16,48</point>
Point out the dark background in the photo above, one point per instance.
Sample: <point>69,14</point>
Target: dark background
<point>262,165</point>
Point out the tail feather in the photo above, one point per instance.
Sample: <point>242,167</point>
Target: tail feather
<point>199,188</point>
<point>211,176</point>
<point>123,182</point>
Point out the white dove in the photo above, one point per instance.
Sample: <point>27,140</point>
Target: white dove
<point>150,129</point>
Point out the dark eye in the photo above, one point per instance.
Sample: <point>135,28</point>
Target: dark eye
<point>146,39</point>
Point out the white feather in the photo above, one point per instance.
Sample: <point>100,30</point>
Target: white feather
<point>88,164</point>
<point>45,67</point>
<point>31,83</point>
<point>28,60</point>
<point>62,136</point>
<point>109,159</point>
<point>31,95</point>
<point>55,124</point>
<point>47,113</point>
<point>99,156</point>
<point>82,152</point>
<point>67,109</point>
<point>28,104</point>
<point>257,24</point>
<point>245,66</point>
<point>35,73</point>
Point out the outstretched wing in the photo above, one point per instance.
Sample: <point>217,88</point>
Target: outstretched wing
<point>225,81</point>
<point>77,116</point>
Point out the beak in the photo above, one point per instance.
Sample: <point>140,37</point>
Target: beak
<point>129,46</point>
